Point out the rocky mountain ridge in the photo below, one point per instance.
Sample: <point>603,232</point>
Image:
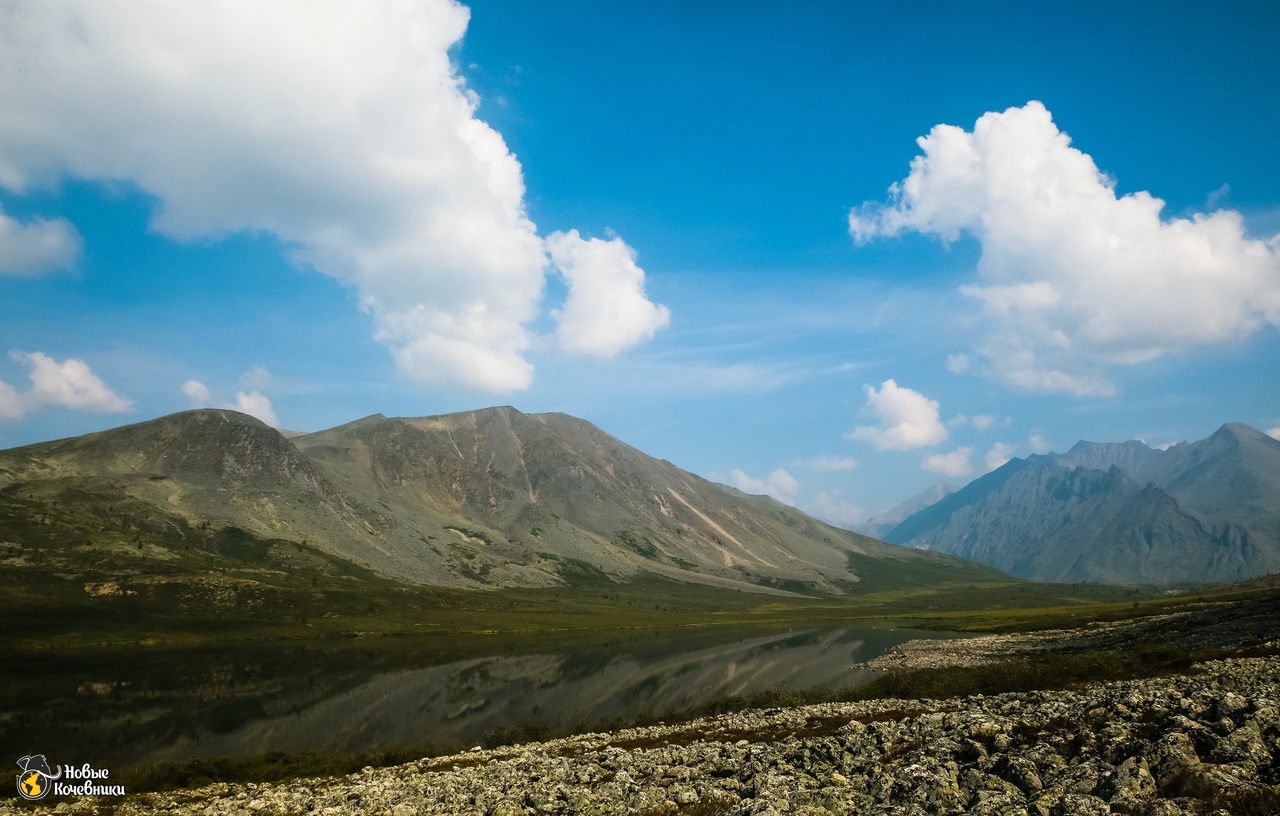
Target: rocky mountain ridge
<point>1121,512</point>
<point>490,498</point>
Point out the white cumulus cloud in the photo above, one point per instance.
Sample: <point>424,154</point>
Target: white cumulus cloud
<point>982,421</point>
<point>1274,433</point>
<point>251,401</point>
<point>1073,278</point>
<point>1000,453</point>
<point>954,464</point>
<point>1038,444</point>
<point>67,384</point>
<point>908,419</point>
<point>779,484</point>
<point>257,377</point>
<point>607,310</point>
<point>11,406</point>
<point>256,405</point>
<point>344,129</point>
<point>37,246</point>
<point>197,392</point>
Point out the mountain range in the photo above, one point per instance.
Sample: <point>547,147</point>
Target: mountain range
<point>482,499</point>
<point>1118,512</point>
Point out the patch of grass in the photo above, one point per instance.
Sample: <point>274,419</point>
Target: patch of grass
<point>516,734</point>
<point>790,585</point>
<point>472,534</point>
<point>182,583</point>
<point>1045,670</point>
<point>480,573</point>
<point>1263,801</point>
<point>714,803</point>
<point>768,698</point>
<point>580,573</point>
<point>638,544</point>
<point>886,575</point>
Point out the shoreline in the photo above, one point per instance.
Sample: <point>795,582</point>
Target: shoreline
<point>1167,745</point>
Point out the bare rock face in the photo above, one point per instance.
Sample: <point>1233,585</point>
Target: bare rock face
<point>487,498</point>
<point>1122,513</point>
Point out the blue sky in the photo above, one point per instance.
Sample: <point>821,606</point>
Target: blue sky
<point>671,219</point>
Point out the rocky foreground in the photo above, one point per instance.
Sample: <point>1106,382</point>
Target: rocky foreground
<point>1205,743</point>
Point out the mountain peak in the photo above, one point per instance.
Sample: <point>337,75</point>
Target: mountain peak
<point>204,422</point>
<point>1085,447</point>
<point>495,497</point>
<point>1235,440</point>
<point>1206,510</point>
<point>1241,432</point>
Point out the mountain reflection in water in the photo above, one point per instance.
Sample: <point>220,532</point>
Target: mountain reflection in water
<point>176,706</point>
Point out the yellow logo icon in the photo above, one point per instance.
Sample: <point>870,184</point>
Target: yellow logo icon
<point>35,780</point>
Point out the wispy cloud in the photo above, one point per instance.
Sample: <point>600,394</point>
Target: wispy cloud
<point>828,464</point>
<point>659,376</point>
<point>980,422</point>
<point>958,363</point>
<point>829,507</point>
<point>37,246</point>
<point>954,464</point>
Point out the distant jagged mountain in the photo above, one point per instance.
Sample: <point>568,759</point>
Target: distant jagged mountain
<point>879,525</point>
<point>490,498</point>
<point>1122,512</point>
<point>1139,462</point>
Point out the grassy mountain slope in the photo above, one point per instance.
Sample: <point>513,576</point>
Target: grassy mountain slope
<point>554,487</point>
<point>213,507</point>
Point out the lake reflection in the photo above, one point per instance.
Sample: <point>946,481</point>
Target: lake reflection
<point>126,709</point>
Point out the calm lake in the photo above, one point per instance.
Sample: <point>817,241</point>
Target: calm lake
<point>123,708</point>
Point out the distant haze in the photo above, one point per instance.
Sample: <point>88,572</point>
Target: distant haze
<point>1119,512</point>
